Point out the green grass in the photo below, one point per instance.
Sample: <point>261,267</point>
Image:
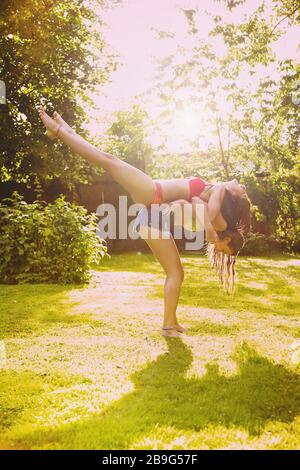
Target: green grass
<point>28,308</point>
<point>274,290</point>
<point>86,367</point>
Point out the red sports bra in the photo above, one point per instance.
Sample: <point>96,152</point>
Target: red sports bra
<point>197,186</point>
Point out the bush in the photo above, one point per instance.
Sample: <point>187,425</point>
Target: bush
<point>259,244</point>
<point>47,243</point>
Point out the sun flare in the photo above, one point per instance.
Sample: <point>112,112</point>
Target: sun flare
<point>187,122</point>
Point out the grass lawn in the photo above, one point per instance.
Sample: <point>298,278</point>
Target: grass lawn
<point>85,367</point>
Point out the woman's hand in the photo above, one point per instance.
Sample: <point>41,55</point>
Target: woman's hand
<point>211,235</point>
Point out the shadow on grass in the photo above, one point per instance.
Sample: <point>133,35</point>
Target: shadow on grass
<point>261,392</point>
<point>31,308</point>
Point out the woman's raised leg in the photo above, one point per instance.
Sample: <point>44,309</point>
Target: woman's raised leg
<point>139,185</point>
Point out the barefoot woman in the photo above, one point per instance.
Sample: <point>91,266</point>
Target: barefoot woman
<point>146,191</point>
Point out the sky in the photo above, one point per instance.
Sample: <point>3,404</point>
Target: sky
<point>131,31</point>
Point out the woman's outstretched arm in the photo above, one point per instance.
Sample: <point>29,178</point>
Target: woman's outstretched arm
<point>215,201</point>
<point>211,234</point>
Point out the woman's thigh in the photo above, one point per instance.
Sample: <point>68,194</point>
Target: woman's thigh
<point>140,186</point>
<point>165,251</point>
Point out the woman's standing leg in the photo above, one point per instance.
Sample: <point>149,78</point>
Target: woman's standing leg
<point>140,186</point>
<point>166,252</point>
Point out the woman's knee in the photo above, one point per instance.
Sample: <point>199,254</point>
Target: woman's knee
<point>177,275</point>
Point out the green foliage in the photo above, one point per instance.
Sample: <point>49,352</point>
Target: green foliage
<point>276,202</point>
<point>126,138</point>
<point>51,51</point>
<point>255,132</point>
<point>55,243</point>
<point>171,165</point>
<point>261,245</point>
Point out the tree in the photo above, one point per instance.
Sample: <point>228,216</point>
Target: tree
<point>126,137</point>
<point>257,128</point>
<point>52,51</point>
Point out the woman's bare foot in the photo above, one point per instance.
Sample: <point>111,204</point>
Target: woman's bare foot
<point>179,328</point>
<point>170,331</point>
<point>57,117</point>
<point>50,124</point>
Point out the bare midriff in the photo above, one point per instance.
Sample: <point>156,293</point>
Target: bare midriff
<point>178,188</point>
<point>173,189</point>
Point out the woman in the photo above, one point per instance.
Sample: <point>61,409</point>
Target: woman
<point>224,244</point>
